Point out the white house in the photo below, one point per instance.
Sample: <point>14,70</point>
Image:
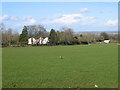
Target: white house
<point>106,41</point>
<point>45,41</point>
<point>40,41</point>
<point>34,41</point>
<point>31,41</point>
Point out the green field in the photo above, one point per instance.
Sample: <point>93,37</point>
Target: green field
<point>83,66</point>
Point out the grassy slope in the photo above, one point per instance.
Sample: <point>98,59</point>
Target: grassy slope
<point>82,66</point>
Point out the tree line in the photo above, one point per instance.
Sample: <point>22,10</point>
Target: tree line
<point>64,36</point>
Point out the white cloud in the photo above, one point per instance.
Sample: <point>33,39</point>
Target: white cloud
<point>18,25</point>
<point>27,17</point>
<point>65,19</point>
<point>14,18</point>
<point>7,17</point>
<point>111,22</point>
<point>71,19</point>
<point>26,20</point>
<point>84,10</point>
<point>29,20</point>
<point>68,18</point>
<point>32,21</point>
<point>4,17</point>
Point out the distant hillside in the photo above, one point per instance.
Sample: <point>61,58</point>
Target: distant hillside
<point>97,32</point>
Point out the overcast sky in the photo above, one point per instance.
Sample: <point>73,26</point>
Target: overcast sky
<point>80,16</point>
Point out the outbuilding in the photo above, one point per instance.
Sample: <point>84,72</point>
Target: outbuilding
<point>106,41</point>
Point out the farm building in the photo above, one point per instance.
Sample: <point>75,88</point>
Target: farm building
<point>106,41</point>
<point>39,41</point>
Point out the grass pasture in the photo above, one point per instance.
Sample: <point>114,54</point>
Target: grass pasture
<point>83,66</point>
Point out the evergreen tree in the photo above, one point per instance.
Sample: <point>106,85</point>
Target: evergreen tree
<point>105,35</point>
<point>53,37</point>
<point>81,35</point>
<point>23,37</point>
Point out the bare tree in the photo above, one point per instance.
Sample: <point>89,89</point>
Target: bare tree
<point>9,36</point>
<point>36,31</point>
<point>67,34</point>
<point>1,29</point>
<point>88,37</point>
